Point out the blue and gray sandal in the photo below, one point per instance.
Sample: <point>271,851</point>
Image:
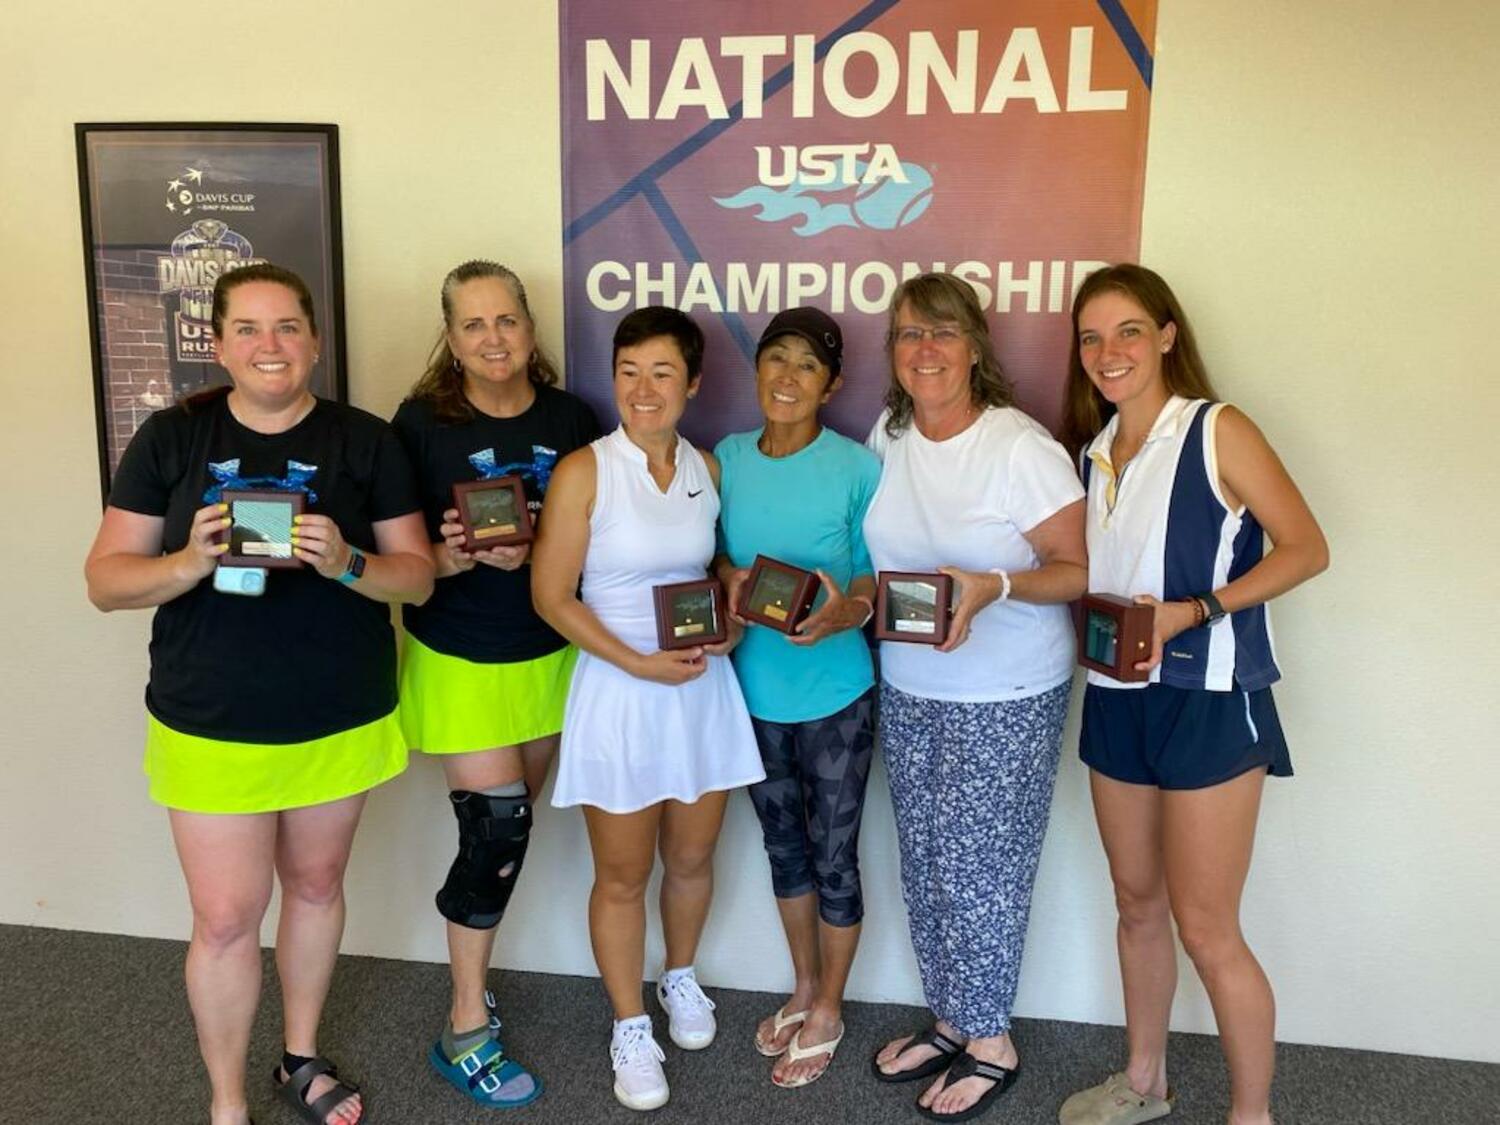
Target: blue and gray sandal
<point>493,1011</point>
<point>487,1076</point>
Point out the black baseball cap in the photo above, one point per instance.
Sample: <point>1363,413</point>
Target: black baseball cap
<point>815,326</point>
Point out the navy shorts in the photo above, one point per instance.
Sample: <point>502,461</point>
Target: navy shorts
<point>1178,738</point>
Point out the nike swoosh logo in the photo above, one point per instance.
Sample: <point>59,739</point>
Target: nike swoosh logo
<point>691,495</point>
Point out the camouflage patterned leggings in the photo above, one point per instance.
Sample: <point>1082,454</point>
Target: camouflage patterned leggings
<point>810,804</point>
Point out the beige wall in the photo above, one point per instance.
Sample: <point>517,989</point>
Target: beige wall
<point>1321,191</point>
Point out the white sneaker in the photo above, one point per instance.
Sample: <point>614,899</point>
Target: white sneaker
<point>639,1081</point>
<point>690,1014</point>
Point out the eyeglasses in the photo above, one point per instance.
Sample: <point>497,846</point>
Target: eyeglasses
<point>910,334</point>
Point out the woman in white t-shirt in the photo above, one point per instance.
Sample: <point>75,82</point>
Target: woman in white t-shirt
<point>972,728</point>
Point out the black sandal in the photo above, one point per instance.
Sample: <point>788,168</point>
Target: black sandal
<point>967,1066</point>
<point>928,1037</point>
<point>294,1090</point>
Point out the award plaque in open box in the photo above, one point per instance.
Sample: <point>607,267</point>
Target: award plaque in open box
<point>261,531</point>
<point>777,595</point>
<point>1114,634</point>
<point>690,614</point>
<point>913,607</point>
<point>493,512</point>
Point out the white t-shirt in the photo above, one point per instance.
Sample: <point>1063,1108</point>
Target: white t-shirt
<point>968,502</point>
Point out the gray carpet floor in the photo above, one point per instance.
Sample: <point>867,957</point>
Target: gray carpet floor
<point>95,1028</point>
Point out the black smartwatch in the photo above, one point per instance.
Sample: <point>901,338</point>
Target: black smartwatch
<point>356,568</point>
<point>1215,608</point>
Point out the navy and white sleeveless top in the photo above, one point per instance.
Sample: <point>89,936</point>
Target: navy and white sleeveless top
<point>1161,527</point>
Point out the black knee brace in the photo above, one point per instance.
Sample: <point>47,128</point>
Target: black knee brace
<point>492,836</point>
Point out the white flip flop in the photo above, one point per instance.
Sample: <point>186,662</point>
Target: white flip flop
<point>796,1052</point>
<point>784,1020</point>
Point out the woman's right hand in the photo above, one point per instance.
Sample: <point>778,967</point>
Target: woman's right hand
<point>734,581</point>
<point>199,556</point>
<point>675,667</point>
<point>1169,619</point>
<point>453,541</point>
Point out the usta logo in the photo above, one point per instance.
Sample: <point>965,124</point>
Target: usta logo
<point>816,165</point>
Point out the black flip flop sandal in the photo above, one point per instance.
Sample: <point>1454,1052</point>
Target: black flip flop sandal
<point>928,1037</point>
<point>967,1066</point>
<point>294,1090</point>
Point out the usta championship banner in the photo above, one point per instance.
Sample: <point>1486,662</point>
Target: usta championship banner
<point>738,159</point>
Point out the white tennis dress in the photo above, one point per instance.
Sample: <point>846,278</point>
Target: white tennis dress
<point>629,743</point>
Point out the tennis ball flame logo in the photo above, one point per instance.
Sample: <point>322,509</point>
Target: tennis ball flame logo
<point>877,196</point>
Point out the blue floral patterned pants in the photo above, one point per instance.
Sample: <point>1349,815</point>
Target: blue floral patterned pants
<point>971,784</point>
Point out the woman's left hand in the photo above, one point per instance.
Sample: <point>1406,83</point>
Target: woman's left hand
<point>317,541</point>
<point>510,557</point>
<point>976,589</point>
<point>838,613</point>
<point>1170,619</point>
<point>734,630</point>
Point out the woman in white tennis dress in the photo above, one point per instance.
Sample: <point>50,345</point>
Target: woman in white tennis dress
<point>652,741</point>
<point>630,742</point>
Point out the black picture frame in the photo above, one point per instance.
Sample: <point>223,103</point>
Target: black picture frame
<point>168,206</point>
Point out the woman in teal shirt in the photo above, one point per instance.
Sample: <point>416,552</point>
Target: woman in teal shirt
<point>798,493</point>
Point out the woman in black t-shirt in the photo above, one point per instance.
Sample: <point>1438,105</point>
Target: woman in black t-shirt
<point>483,678</point>
<point>270,717</point>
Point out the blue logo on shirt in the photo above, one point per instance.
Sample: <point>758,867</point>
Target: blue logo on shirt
<point>226,474</point>
<point>539,468</point>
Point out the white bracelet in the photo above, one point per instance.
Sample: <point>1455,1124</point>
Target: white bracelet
<point>1004,584</point>
<point>869,609</point>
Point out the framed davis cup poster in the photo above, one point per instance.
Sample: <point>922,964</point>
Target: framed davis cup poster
<point>167,209</point>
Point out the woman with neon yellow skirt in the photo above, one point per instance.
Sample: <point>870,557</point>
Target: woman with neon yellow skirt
<point>483,678</point>
<point>271,715</point>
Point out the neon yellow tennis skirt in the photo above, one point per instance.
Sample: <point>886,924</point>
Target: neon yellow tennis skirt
<point>209,775</point>
<point>450,705</point>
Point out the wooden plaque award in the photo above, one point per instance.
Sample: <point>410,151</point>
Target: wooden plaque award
<point>690,614</point>
<point>913,607</point>
<point>777,594</point>
<point>493,512</point>
<point>1114,634</point>
<point>261,531</point>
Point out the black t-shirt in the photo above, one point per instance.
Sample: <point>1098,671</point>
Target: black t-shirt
<point>485,614</point>
<point>309,657</point>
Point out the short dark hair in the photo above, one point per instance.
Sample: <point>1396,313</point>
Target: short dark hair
<point>662,320</point>
<point>260,271</point>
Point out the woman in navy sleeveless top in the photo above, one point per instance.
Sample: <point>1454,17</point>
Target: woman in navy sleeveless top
<point>1180,487</point>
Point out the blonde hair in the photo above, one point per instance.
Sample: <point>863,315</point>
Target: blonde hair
<point>442,383</point>
<point>944,297</point>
